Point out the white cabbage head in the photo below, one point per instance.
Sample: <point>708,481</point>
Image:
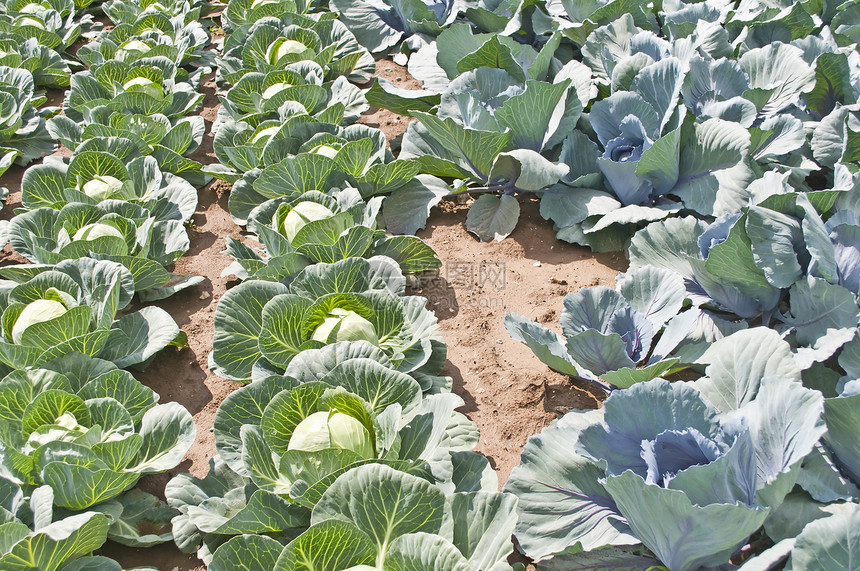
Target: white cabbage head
<point>36,312</point>
<point>331,429</point>
<point>144,85</point>
<point>97,230</point>
<point>32,8</point>
<point>345,325</point>
<point>102,187</point>
<point>31,22</point>
<point>301,214</point>
<point>135,46</point>
<point>274,89</point>
<point>266,134</point>
<point>281,47</point>
<point>325,150</point>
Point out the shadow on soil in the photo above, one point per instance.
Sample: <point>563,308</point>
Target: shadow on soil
<point>562,398</point>
<point>164,556</point>
<point>441,295</point>
<point>457,388</point>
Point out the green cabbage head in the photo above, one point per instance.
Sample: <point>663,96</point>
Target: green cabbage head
<point>332,429</point>
<point>345,325</point>
<point>325,150</point>
<point>144,85</point>
<point>102,187</point>
<point>282,47</point>
<point>36,312</point>
<point>301,214</point>
<point>274,89</point>
<point>97,230</point>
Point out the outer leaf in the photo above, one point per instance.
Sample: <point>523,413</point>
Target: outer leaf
<point>818,307</point>
<point>780,68</point>
<point>383,503</point>
<point>238,322</point>
<point>138,336</point>
<point>424,552</point>
<point>693,536</point>
<point>493,218</point>
<point>656,293</point>
<point>477,148</point>
<point>562,505</point>
<point>827,543</point>
<point>168,432</point>
<point>53,545</point>
<point>738,363</point>
<point>541,116</point>
<point>407,209</point>
<point>842,424</point>
<point>483,525</point>
<point>706,148</point>
<point>246,553</point>
<point>547,345</point>
<point>327,546</point>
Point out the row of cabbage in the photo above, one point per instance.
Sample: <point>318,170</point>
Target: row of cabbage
<point>344,449</point>
<point>717,143</point>
<point>772,412</point>
<point>77,431</point>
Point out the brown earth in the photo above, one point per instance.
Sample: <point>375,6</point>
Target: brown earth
<point>507,391</point>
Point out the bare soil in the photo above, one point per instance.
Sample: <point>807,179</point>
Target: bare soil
<point>507,391</point>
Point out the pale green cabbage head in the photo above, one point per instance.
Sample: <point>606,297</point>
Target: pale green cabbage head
<point>281,47</point>
<point>36,312</point>
<point>136,47</point>
<point>345,325</point>
<point>31,22</point>
<point>102,187</point>
<point>32,8</point>
<point>267,133</point>
<point>97,230</point>
<point>274,89</point>
<point>332,429</point>
<point>144,85</point>
<point>301,214</point>
<point>325,150</point>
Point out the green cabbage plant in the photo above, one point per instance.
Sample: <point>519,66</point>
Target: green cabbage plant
<point>244,13</point>
<point>168,141</point>
<point>73,306</point>
<point>316,227</point>
<point>33,538</point>
<point>414,525</point>
<point>93,176</point>
<point>263,325</point>
<point>181,38</point>
<point>146,86</point>
<point>243,148</point>
<point>90,435</point>
<point>23,135</point>
<point>277,459</point>
<point>48,67</point>
<point>54,24</point>
<point>276,41</point>
<point>115,230</point>
<point>296,89</point>
<point>358,164</point>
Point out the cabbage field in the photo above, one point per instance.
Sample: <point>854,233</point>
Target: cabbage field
<point>706,152</point>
